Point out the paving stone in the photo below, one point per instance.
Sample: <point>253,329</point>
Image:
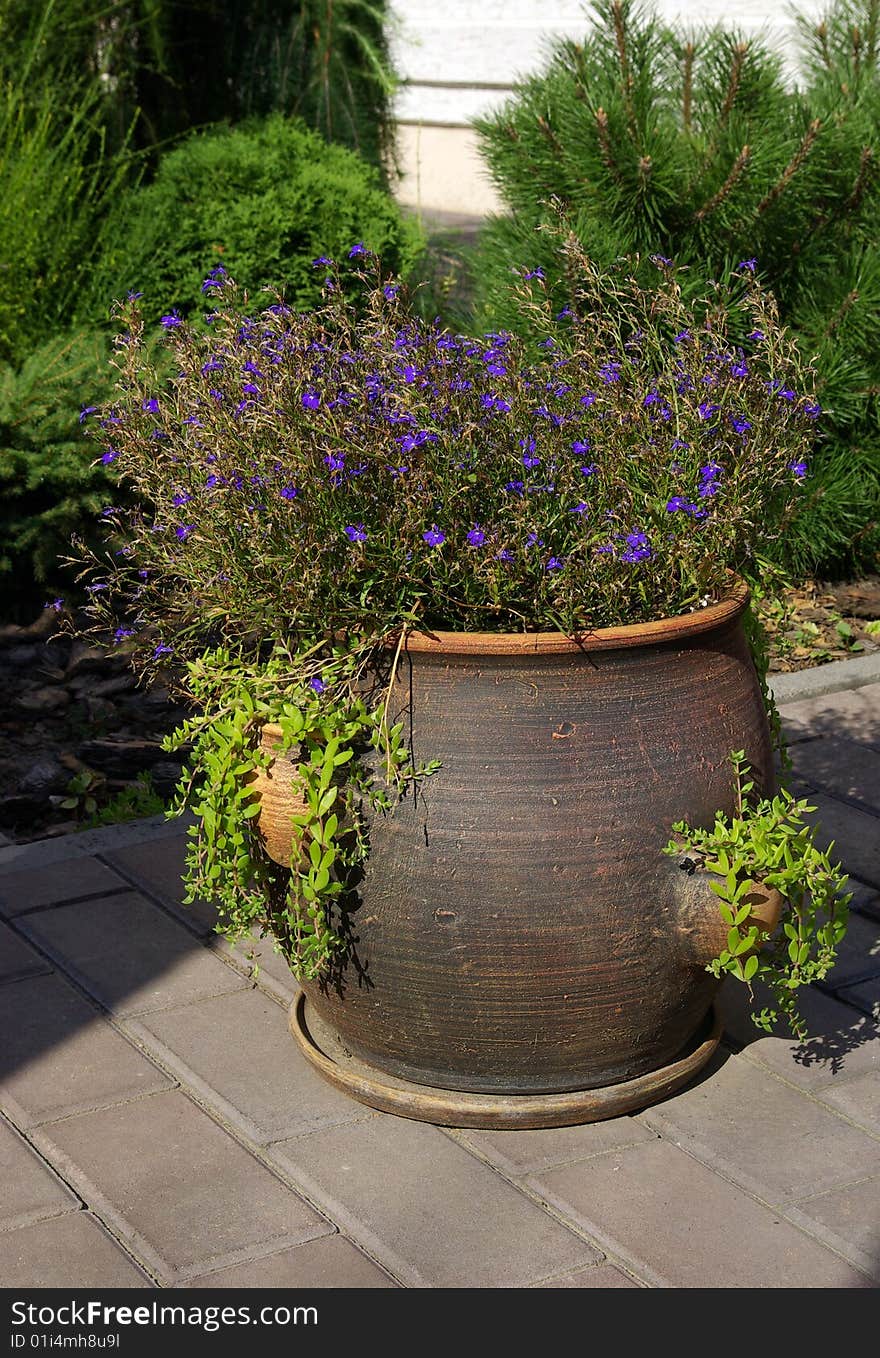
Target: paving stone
<point>128,954</point>
<point>858,1100</point>
<point>175,1188</point>
<point>51,885</point>
<point>777,1142</point>
<point>864,996</point>
<point>855,833</point>
<point>236,1053</point>
<point>843,768</point>
<point>843,1043</point>
<point>31,1191</point>
<point>158,868</point>
<point>69,1251</point>
<point>847,1220</point>
<point>517,1153</point>
<point>16,958</point>
<point>267,967</point>
<point>853,713</point>
<point>865,898</point>
<point>60,1057</point>
<point>427,1209</point>
<point>598,1275</point>
<point>331,1261</point>
<point>675,1223</point>
<point>858,956</point>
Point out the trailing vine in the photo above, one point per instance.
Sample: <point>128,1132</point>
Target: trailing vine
<point>327,732</point>
<point>768,840</point>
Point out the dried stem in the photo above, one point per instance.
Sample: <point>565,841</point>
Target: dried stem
<point>866,161</point>
<point>736,170</point>
<point>739,56</point>
<point>846,305</point>
<point>792,167</point>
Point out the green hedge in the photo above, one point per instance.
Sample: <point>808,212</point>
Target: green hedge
<point>263,200</point>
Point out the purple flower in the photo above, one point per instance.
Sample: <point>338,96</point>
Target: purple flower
<point>110,456</point>
<point>85,412</point>
<point>589,399</point>
<point>311,400</point>
<point>740,423</point>
<point>335,462</point>
<point>581,508</point>
<point>356,533</point>
<point>610,372</point>
<point>184,530</point>
<point>661,261</point>
<point>589,471</point>
<point>322,262</point>
<point>476,537</point>
<point>748,265</point>
<point>581,447</point>
<point>555,564</point>
<point>530,461</point>
<point>813,410</point>
<point>55,604</point>
<point>504,555</point>
<point>638,548</point>
<point>250,389</point>
<point>708,480</point>
<point>681,337</point>
<point>434,537</point>
<point>756,334</point>
<point>516,486</point>
<point>133,296</point>
<point>739,368</point>
<point>317,684</point>
<point>707,410</point>
<point>122,634</point>
<point>799,469</point>
<point>213,279</point>
<point>534,273</point>
<point>496,369</point>
<point>288,492</point>
<point>534,541</point>
<point>173,319</point>
<point>358,249</point>
<point>390,291</point>
<point>162,650</point>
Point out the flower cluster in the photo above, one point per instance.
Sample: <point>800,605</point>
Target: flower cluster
<point>349,469</point>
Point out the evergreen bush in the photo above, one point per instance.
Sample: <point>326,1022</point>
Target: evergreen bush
<point>262,200</point>
<point>695,147</point>
<point>50,483</point>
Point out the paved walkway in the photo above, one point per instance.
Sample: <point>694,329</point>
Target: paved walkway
<point>160,1127</point>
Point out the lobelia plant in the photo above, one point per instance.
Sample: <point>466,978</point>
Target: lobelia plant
<point>308,488</point>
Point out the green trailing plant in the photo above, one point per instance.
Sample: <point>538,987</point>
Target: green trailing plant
<point>769,840</point>
<point>327,734</point>
<point>262,200</point>
<point>694,146</point>
<point>134,802</point>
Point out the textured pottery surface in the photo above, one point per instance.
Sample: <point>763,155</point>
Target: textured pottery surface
<point>518,928</point>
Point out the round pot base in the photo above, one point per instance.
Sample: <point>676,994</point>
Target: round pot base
<point>452,1108</point>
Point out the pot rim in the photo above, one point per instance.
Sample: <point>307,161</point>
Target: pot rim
<point>680,628</point>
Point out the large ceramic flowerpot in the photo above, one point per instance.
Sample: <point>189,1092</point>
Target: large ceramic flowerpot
<point>521,951</point>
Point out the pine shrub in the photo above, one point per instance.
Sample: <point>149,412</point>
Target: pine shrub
<point>697,148</point>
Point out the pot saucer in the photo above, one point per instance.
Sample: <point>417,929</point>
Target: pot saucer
<point>453,1108</point>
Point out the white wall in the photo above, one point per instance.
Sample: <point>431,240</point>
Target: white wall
<point>461,58</point>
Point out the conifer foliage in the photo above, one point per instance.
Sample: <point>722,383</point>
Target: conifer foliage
<point>700,147</point>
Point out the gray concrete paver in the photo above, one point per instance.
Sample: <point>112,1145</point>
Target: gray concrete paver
<point>71,1251</point>
<point>61,1057</point>
<point>160,875</point>
<point>331,1261</point>
<point>53,884</point>
<point>427,1209</point>
<point>773,1140</point>
<point>516,1153</point>
<point>175,1188</point>
<point>236,1052</point>
<point>17,959</point>
<point>31,1190</point>
<point>677,1223</point>
<point>128,955</point>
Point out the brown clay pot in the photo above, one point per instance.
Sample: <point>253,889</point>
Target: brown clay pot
<point>278,797</point>
<point>521,952</point>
